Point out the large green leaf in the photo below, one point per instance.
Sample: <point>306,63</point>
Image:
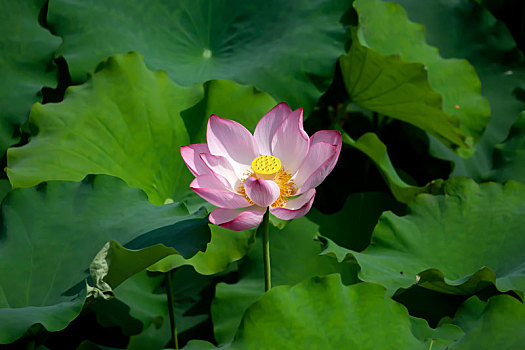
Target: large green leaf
<point>399,89</point>
<point>470,31</point>
<point>54,316</point>
<point>294,258</point>
<point>322,313</point>
<point>49,236</point>
<point>384,30</point>
<point>26,52</point>
<point>497,324</point>
<point>124,122</point>
<point>288,49</point>
<point>458,242</point>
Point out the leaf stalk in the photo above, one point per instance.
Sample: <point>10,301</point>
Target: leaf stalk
<point>171,308</point>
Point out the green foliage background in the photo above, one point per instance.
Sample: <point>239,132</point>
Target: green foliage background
<point>415,241</point>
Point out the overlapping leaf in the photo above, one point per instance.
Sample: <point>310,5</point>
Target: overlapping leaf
<point>464,29</point>
<point>352,226</point>
<point>448,104</point>
<point>323,313</point>
<point>26,53</point>
<point>226,246</point>
<point>124,122</point>
<point>266,45</point>
<point>142,299</point>
<point>113,264</point>
<point>151,308</point>
<point>509,156</point>
<point>431,305</point>
<point>50,235</point>
<point>435,338</point>
<point>458,242</point>
<point>497,324</point>
<point>137,310</point>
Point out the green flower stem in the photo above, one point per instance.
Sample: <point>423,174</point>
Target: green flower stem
<point>264,230</point>
<point>171,309</point>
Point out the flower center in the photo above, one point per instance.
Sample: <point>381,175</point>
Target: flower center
<point>270,168</point>
<point>266,167</point>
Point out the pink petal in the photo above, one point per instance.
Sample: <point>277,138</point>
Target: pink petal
<point>329,136</point>
<point>215,190</point>
<point>268,125</point>
<point>316,166</point>
<point>221,166</point>
<point>230,139</point>
<point>191,156</point>
<point>261,192</point>
<point>290,142</point>
<point>296,207</point>
<point>237,219</point>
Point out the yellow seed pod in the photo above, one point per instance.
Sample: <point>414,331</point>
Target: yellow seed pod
<point>266,167</point>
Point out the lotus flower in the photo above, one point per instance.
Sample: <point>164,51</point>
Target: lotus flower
<point>278,167</point>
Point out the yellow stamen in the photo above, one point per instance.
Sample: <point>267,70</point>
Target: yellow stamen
<point>282,179</point>
<point>266,167</point>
